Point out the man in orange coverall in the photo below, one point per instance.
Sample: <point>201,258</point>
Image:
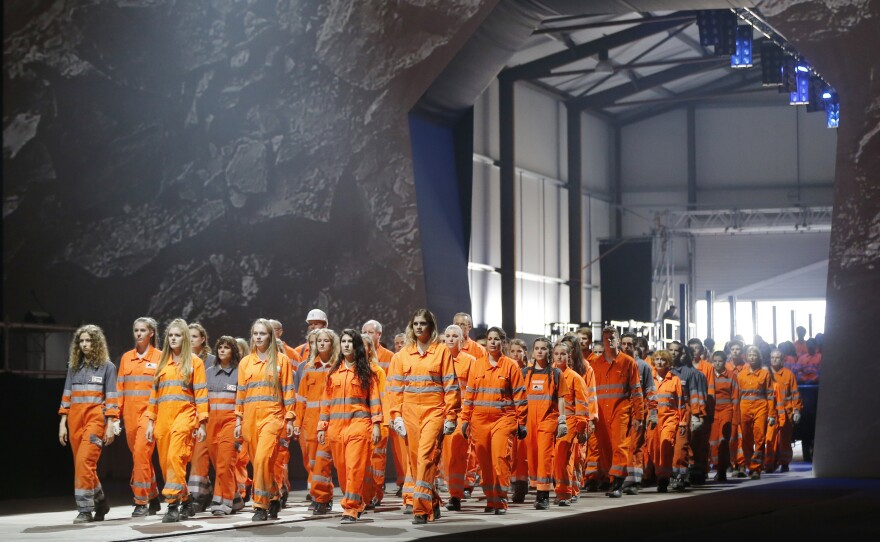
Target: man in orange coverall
<point>638,434</point>
<point>493,410</point>
<point>423,402</point>
<point>621,403</point>
<point>726,416</point>
<point>788,410</point>
<point>380,452</point>
<point>455,446</point>
<point>757,410</point>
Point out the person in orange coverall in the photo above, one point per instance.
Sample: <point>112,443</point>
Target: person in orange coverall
<point>578,454</point>
<point>572,422</point>
<point>788,410</point>
<point>700,450</point>
<point>423,402</point>
<point>351,418</point>
<point>621,403</point>
<point>137,367</point>
<point>374,486</point>
<point>545,392</point>
<point>519,467</point>
<point>726,416</point>
<point>672,418</point>
<point>494,408</point>
<point>313,377</point>
<point>199,484</point>
<point>264,410</point>
<point>283,459</point>
<point>757,410</point>
<point>177,414</point>
<point>222,378</point>
<point>88,417</point>
<point>478,351</point>
<point>455,446</point>
<point>390,441</point>
<point>638,436</point>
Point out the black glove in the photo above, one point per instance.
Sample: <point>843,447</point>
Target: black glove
<point>521,432</point>
<point>465,430</point>
<point>582,438</point>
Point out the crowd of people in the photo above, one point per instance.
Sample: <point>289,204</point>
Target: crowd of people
<point>559,417</point>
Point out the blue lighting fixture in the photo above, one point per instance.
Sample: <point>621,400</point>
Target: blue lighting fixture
<point>800,94</point>
<point>832,108</point>
<point>742,58</point>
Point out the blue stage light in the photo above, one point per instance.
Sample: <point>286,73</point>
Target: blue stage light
<point>800,95</point>
<point>832,114</point>
<point>742,58</point>
<point>826,95</point>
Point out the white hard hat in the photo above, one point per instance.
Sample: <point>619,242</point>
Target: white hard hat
<point>316,314</point>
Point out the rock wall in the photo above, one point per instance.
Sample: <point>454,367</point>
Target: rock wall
<point>216,160</point>
<point>841,38</point>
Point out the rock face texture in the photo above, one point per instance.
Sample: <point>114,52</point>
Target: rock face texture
<point>216,160</point>
<point>840,38</point>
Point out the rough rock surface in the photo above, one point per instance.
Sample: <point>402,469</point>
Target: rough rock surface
<point>217,160</point>
<point>839,37</point>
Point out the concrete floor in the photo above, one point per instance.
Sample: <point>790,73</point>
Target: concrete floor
<point>388,523</point>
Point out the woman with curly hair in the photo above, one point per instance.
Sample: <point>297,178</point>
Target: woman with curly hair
<point>88,417</point>
<point>178,413</point>
<point>351,415</point>
<point>264,411</point>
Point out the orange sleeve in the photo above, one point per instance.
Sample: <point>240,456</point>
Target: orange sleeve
<point>200,389</point>
<point>518,392</point>
<point>239,389</point>
<point>326,400</point>
<point>451,391</point>
<point>285,375</point>
<point>734,399</point>
<point>467,400</point>
<point>375,396</point>
<point>683,408</point>
<point>635,390</point>
<point>582,411</point>
<point>770,394</point>
<point>120,385</point>
<point>394,387</point>
<point>64,409</point>
<point>592,401</point>
<point>153,404</point>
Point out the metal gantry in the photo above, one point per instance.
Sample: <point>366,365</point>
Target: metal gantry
<point>745,221</point>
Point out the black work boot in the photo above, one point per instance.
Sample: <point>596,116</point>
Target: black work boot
<point>101,509</point>
<point>420,519</point>
<point>631,488</point>
<point>187,509</point>
<point>260,514</point>
<point>154,506</point>
<point>663,485</point>
<point>454,504</point>
<point>520,490</point>
<point>274,508</point>
<point>83,517</point>
<point>615,490</point>
<point>321,508</point>
<point>542,502</point>
<point>140,511</point>
<point>172,515</point>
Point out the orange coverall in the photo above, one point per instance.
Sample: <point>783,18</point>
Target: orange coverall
<point>788,399</point>
<point>543,389</point>
<point>133,393</point>
<point>672,411</point>
<point>282,461</point>
<point>374,485</point>
<point>574,390</point>
<point>222,387</point>
<point>455,446</point>
<point>423,390</point>
<point>264,406</point>
<point>494,404</point>
<point>638,436</point>
<point>620,399</point>
<point>756,404</point>
<point>348,413</point>
<point>89,398</point>
<point>308,412</point>
<point>478,351</point>
<point>177,409</point>
<point>701,448</point>
<point>726,420</point>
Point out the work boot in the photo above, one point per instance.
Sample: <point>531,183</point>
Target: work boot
<point>615,490</point>
<point>218,512</point>
<point>172,514</point>
<point>237,504</point>
<point>408,509</point>
<point>140,511</point>
<point>437,512</point>
<point>187,510</point>
<point>592,486</point>
<point>741,472</point>
<point>454,504</point>
<point>520,489</point>
<point>260,514</point>
<point>154,506</point>
<point>605,486</point>
<point>420,519</point>
<point>247,493</point>
<point>399,492</point>
<point>697,478</point>
<point>679,484</point>
<point>500,511</point>
<point>489,510</point>
<point>563,502</point>
<point>274,508</point>
<point>284,495</point>
<point>720,476</point>
<point>783,468</point>
<point>101,509</point>
<point>347,520</point>
<point>755,475</point>
<point>468,491</point>
<point>542,501</point>
<point>663,485</point>
<point>321,508</point>
<point>769,469</point>
<point>83,517</point>
<point>631,489</point>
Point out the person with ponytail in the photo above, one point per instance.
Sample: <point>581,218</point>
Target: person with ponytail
<point>177,413</point>
<point>199,484</point>
<point>264,409</point>
<point>222,377</point>
<point>350,420</point>
<point>137,368</point>
<point>88,417</point>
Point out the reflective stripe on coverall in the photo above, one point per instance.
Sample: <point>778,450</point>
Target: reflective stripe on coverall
<point>133,393</point>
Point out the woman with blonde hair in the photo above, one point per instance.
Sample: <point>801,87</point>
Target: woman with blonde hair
<point>177,414</point>
<point>137,368</point>
<point>88,417</point>
<point>264,411</point>
<point>199,484</point>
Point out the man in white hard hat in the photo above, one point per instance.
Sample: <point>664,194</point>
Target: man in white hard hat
<point>316,319</point>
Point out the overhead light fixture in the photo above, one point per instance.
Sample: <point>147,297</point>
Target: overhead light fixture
<point>826,95</point>
<point>772,58</point>
<point>604,66</point>
<point>800,94</point>
<point>742,58</point>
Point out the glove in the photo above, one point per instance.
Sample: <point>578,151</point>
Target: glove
<point>796,417</point>
<point>117,427</point>
<point>652,419</point>
<point>771,421</point>
<point>561,427</point>
<point>466,430</point>
<point>521,432</point>
<point>582,437</point>
<point>591,428</point>
<point>696,423</point>
<point>449,427</point>
<point>399,427</point>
